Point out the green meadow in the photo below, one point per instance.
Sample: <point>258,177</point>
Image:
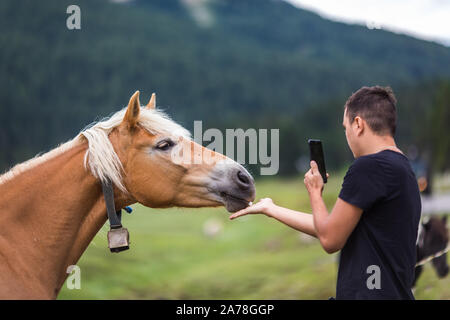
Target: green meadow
<point>201,254</point>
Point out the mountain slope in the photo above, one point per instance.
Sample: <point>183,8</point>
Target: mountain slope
<point>258,59</point>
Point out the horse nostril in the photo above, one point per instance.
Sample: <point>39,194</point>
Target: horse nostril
<point>243,178</point>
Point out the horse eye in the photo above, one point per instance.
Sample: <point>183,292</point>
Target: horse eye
<point>164,145</point>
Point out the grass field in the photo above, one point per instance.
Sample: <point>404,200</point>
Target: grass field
<point>172,257</point>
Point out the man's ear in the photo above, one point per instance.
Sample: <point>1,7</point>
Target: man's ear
<point>358,123</point>
<point>133,109</point>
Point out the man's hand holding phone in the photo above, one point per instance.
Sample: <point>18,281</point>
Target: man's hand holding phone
<point>313,179</point>
<point>316,177</point>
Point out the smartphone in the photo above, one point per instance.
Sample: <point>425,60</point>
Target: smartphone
<point>316,154</point>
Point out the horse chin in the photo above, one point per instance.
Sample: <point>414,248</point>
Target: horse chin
<point>233,206</point>
<point>442,273</point>
<point>441,266</point>
<point>234,203</point>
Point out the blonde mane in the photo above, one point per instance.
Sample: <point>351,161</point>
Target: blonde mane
<point>100,157</point>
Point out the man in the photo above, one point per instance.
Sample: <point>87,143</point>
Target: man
<point>376,216</point>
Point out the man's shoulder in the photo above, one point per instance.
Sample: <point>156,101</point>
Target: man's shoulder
<point>367,163</point>
<point>377,161</point>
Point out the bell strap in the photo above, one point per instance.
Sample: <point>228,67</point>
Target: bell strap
<point>113,215</point>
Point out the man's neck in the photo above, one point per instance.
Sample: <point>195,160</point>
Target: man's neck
<point>376,144</point>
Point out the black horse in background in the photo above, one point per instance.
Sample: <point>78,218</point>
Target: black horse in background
<point>433,237</point>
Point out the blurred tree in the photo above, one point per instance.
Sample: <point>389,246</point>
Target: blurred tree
<point>439,128</point>
<point>261,64</point>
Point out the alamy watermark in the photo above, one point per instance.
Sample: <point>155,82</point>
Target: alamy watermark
<point>234,145</point>
<point>374,280</point>
<point>74,279</point>
<point>73,21</point>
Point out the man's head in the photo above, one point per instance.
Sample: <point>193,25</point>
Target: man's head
<point>369,115</point>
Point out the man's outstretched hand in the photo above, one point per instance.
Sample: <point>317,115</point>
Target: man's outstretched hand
<point>263,206</point>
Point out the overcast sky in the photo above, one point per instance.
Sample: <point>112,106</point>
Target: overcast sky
<point>423,19</point>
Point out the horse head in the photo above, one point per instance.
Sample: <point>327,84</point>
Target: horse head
<point>435,238</point>
<point>158,165</point>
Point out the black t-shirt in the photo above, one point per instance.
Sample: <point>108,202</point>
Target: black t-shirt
<point>383,242</point>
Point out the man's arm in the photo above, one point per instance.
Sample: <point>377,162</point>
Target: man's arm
<point>332,229</point>
<point>295,219</point>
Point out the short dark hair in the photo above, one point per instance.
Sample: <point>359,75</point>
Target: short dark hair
<point>376,105</point>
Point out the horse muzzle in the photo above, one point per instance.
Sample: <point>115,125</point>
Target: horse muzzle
<point>233,185</point>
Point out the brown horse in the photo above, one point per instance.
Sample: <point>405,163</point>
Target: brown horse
<point>52,206</point>
<point>433,237</point>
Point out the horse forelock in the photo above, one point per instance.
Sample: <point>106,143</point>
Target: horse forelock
<point>442,229</point>
<point>437,230</point>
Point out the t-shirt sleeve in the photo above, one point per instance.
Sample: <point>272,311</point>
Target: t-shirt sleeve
<point>363,184</point>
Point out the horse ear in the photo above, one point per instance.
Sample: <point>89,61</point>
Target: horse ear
<point>152,103</point>
<point>444,219</point>
<point>426,222</point>
<point>132,114</point>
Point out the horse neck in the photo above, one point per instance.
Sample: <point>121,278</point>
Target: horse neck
<point>48,216</point>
